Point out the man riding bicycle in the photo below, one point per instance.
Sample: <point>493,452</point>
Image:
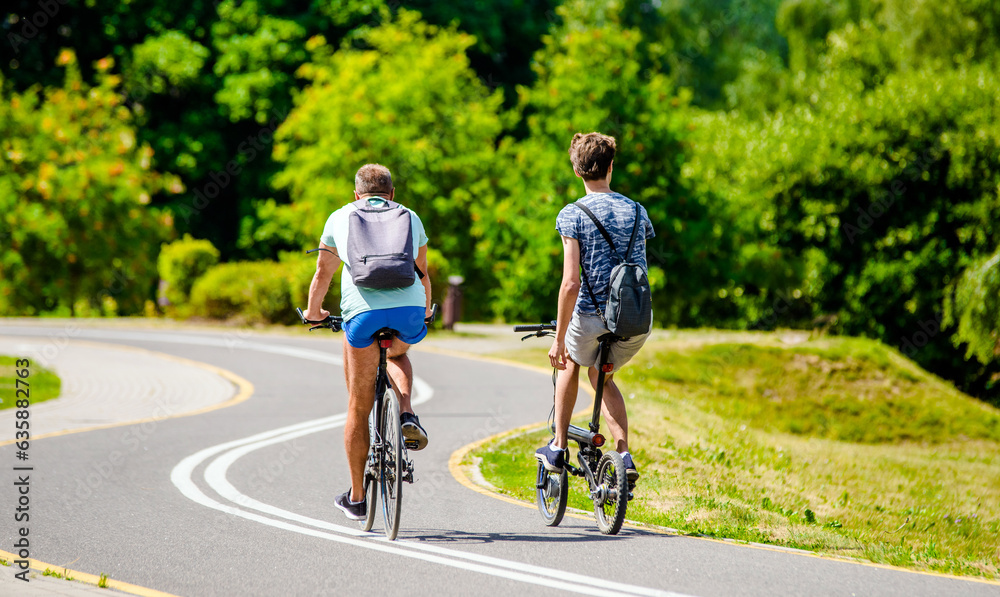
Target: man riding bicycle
<point>365,311</point>
<point>579,324</point>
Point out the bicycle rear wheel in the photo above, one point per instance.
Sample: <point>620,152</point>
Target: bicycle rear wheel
<point>552,495</point>
<point>612,497</point>
<point>371,477</point>
<point>391,478</point>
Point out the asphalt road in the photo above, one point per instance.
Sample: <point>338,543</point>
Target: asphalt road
<point>239,501</point>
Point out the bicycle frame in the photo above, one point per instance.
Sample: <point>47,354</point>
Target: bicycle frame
<point>605,473</point>
<point>589,453</point>
<point>377,463</point>
<point>381,385</point>
<point>384,337</point>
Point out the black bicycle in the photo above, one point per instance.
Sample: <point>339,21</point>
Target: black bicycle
<point>610,488</point>
<point>388,463</point>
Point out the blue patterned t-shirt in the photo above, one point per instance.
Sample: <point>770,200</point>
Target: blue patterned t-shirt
<point>617,214</point>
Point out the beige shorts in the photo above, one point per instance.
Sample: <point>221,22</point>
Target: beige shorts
<point>583,347</point>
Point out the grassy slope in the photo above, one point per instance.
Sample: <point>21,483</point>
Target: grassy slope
<point>42,383</point>
<point>838,445</point>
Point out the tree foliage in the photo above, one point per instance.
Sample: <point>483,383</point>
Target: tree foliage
<point>408,100</point>
<point>829,163</point>
<point>874,181</point>
<point>77,232</point>
<point>975,309</point>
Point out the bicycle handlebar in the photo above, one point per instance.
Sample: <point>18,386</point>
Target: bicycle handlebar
<point>538,327</point>
<point>333,322</point>
<point>336,322</point>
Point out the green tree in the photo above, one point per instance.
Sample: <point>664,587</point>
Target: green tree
<point>408,100</point>
<point>895,186</point>
<point>974,309</point>
<point>77,231</point>
<point>590,77</point>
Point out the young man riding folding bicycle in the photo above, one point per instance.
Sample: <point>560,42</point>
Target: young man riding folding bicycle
<point>616,299</point>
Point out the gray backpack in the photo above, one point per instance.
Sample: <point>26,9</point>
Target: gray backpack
<point>380,246</point>
<point>629,311</point>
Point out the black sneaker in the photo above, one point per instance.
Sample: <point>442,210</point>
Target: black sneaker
<point>413,433</point>
<point>630,471</point>
<point>354,511</point>
<point>553,461</point>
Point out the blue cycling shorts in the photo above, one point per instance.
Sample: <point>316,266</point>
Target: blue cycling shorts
<point>408,321</point>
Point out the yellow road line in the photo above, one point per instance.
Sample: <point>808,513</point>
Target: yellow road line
<point>244,389</point>
<point>456,470</point>
<point>86,577</point>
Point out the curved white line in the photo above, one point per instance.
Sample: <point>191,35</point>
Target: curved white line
<point>224,455</point>
<point>215,477</point>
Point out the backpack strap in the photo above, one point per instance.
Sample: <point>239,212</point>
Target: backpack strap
<point>611,243</point>
<point>583,270</point>
<point>593,297</point>
<point>600,228</point>
<point>635,227</point>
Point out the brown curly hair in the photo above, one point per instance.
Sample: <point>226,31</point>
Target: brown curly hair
<point>591,154</point>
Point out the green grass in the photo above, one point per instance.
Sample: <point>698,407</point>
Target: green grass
<point>42,384</point>
<point>65,574</point>
<point>838,445</point>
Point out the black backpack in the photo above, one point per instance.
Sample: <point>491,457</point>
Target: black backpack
<point>629,311</point>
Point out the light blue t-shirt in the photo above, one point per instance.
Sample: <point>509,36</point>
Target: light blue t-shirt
<point>354,300</point>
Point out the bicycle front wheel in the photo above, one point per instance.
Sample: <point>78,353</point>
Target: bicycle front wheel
<point>612,495</point>
<point>391,478</point>
<point>552,495</point>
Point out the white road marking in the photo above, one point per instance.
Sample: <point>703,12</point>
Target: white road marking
<point>215,477</point>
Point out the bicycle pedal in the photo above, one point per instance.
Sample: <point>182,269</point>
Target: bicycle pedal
<point>410,444</point>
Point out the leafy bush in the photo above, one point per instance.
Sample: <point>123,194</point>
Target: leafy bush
<point>257,291</point>
<point>162,62</point>
<point>260,291</point>
<point>77,228</point>
<point>181,263</point>
<point>299,269</point>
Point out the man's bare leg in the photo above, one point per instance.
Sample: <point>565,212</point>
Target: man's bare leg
<point>401,373</point>
<point>613,408</point>
<point>360,365</point>
<point>567,386</point>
